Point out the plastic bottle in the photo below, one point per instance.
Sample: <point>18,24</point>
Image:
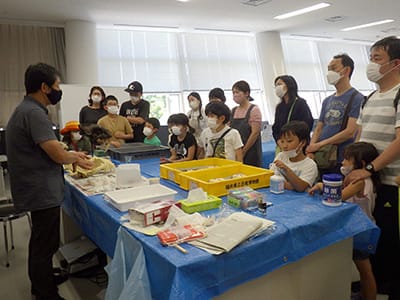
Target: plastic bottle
<point>277,183</point>
<point>332,189</point>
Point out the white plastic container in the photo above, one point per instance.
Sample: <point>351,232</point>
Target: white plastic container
<point>125,199</point>
<point>277,184</point>
<point>128,175</point>
<point>332,189</point>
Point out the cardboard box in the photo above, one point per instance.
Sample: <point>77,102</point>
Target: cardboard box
<point>151,213</point>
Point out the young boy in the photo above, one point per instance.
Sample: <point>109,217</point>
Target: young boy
<point>118,126</point>
<point>298,170</point>
<point>150,129</point>
<point>219,140</point>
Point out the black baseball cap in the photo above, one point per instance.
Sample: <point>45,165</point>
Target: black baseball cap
<point>134,87</point>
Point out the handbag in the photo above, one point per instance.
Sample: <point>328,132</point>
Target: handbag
<point>326,156</point>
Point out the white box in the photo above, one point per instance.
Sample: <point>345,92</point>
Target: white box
<point>124,199</point>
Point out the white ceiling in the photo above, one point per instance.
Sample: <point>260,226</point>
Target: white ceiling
<point>214,14</point>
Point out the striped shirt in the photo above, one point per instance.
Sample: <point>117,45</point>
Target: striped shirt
<point>379,121</point>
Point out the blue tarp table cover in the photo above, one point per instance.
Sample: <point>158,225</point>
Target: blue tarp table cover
<point>303,225</point>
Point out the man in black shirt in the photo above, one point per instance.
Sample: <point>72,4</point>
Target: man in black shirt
<point>136,110</point>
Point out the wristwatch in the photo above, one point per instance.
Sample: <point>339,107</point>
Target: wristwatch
<point>370,168</point>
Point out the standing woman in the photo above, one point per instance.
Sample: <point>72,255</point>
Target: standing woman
<point>291,107</point>
<point>246,118</point>
<point>91,113</point>
<point>197,116</point>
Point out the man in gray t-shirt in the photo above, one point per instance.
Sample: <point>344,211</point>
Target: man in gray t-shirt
<point>35,159</point>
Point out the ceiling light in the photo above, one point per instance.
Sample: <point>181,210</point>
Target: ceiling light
<point>183,0</point>
<point>302,11</point>
<point>368,25</point>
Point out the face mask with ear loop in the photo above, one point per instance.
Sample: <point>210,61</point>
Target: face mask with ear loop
<point>373,73</point>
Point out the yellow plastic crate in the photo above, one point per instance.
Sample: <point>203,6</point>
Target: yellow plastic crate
<point>173,171</point>
<point>225,178</point>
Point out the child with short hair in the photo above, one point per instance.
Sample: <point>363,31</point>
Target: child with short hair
<point>118,126</point>
<point>220,140</point>
<point>182,142</point>
<point>363,193</point>
<point>298,170</point>
<point>150,129</point>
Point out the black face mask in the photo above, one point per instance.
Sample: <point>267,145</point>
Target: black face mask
<point>54,96</point>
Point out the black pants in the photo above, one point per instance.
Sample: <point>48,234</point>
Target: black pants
<point>386,261</point>
<point>44,243</point>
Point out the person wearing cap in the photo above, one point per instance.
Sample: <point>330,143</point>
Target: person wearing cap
<point>136,110</point>
<point>73,138</point>
<point>118,126</point>
<point>246,118</point>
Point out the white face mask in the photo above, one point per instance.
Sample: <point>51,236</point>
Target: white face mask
<point>280,91</point>
<point>112,109</point>
<point>176,130</point>
<point>346,170</point>
<point>96,98</point>
<point>373,72</point>
<point>75,136</point>
<point>194,104</point>
<point>333,77</point>
<point>147,131</point>
<point>135,99</point>
<point>212,123</point>
<point>290,153</point>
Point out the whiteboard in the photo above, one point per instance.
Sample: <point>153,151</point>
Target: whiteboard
<point>76,96</point>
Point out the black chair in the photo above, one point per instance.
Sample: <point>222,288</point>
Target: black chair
<point>8,213</point>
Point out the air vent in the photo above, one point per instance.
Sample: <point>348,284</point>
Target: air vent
<point>255,2</point>
<point>335,19</point>
<point>311,36</point>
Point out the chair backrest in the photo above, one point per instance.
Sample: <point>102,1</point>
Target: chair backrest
<point>163,135</point>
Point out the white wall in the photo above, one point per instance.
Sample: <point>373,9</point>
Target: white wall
<point>75,96</point>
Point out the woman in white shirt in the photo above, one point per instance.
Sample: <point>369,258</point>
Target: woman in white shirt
<point>197,116</point>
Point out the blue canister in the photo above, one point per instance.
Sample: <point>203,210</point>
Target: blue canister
<point>332,189</point>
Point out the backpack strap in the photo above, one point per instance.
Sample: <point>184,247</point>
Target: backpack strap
<point>346,112</point>
<point>220,138</point>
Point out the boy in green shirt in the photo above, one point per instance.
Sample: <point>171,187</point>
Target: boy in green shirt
<point>150,129</point>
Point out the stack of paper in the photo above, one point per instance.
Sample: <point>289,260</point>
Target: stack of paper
<point>232,231</point>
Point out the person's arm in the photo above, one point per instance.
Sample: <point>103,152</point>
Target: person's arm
<point>239,154</point>
<point>293,182</point>
<point>190,155</point>
<point>391,153</point>
<point>201,153</point>
<point>338,138</point>
<point>57,153</point>
<point>255,133</point>
<point>143,114</point>
<point>352,189</point>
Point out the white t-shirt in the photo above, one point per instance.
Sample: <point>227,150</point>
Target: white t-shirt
<point>198,124</point>
<point>305,169</point>
<point>227,145</point>
<point>367,200</point>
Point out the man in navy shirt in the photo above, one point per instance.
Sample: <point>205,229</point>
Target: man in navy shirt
<point>328,130</point>
<point>35,159</point>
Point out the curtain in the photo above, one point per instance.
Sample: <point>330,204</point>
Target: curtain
<point>21,46</point>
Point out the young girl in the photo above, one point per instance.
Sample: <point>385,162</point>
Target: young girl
<point>197,116</point>
<point>298,170</point>
<point>182,143</point>
<point>362,192</point>
<point>73,138</point>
